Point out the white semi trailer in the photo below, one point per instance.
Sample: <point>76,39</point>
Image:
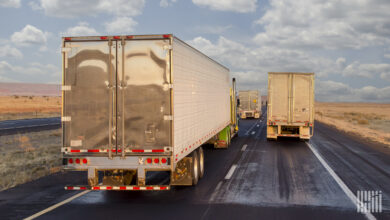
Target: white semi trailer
<point>142,103</point>
<point>249,104</point>
<point>290,110</point>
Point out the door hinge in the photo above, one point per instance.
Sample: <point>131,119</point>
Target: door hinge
<point>66,118</point>
<point>168,117</point>
<point>66,88</point>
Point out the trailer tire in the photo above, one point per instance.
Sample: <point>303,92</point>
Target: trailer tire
<point>201,162</point>
<point>195,168</point>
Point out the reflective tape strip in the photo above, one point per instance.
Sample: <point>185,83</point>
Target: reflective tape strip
<point>117,188</point>
<point>68,149</point>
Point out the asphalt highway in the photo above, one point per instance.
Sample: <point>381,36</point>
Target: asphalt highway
<point>252,179</point>
<point>27,125</point>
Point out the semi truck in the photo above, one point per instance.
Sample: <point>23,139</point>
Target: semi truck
<point>136,105</point>
<point>290,109</point>
<point>249,104</point>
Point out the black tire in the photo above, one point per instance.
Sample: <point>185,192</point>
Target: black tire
<point>201,162</point>
<point>195,168</point>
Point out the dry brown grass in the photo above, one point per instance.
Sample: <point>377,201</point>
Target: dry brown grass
<point>25,157</point>
<point>370,120</point>
<point>20,107</point>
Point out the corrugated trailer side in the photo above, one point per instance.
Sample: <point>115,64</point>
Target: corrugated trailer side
<point>290,109</point>
<point>201,98</point>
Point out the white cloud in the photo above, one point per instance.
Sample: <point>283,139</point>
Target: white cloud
<point>367,70</point>
<point>330,91</point>
<point>166,3</point>
<point>29,35</point>
<point>7,51</point>
<point>76,8</point>
<point>242,6</point>
<point>387,55</point>
<point>10,3</point>
<point>121,25</point>
<point>329,24</point>
<point>11,72</point>
<point>82,29</point>
<point>208,29</point>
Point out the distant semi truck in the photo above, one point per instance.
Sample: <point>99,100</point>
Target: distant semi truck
<point>250,104</point>
<point>290,110</point>
<point>142,104</point>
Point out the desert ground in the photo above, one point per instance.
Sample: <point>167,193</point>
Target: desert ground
<point>29,156</point>
<point>369,120</point>
<point>21,107</point>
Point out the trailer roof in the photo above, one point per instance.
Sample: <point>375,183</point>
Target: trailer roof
<point>135,37</point>
<point>290,73</point>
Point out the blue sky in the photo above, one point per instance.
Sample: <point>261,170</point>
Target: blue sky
<point>345,42</point>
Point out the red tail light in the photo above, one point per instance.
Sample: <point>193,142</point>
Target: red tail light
<point>149,160</point>
<point>77,160</point>
<point>156,160</point>
<point>163,160</point>
<point>85,160</point>
<point>70,160</point>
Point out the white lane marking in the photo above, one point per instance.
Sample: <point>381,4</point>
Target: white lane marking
<point>231,171</point>
<point>342,185</point>
<point>57,205</point>
<point>253,132</point>
<point>244,147</point>
<point>215,191</point>
<point>247,132</point>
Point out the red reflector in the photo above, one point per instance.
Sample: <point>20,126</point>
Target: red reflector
<point>70,160</point>
<point>122,187</point>
<point>129,37</point>
<point>163,187</point>
<point>75,151</point>
<point>85,160</point>
<point>166,36</point>
<point>163,160</point>
<point>158,150</point>
<point>138,151</point>
<point>69,188</point>
<point>83,187</point>
<point>136,187</point>
<point>149,160</point>
<point>149,187</point>
<point>117,37</point>
<point>67,38</point>
<point>109,187</point>
<point>156,160</point>
<point>103,38</point>
<point>77,160</point>
<point>96,187</point>
<point>93,150</point>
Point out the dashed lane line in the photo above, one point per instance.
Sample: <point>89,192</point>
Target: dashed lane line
<point>231,171</point>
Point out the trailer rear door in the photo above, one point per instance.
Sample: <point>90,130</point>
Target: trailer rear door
<point>279,97</point>
<point>302,88</point>
<point>117,95</point>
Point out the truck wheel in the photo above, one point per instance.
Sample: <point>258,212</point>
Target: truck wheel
<point>195,168</point>
<point>201,162</point>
